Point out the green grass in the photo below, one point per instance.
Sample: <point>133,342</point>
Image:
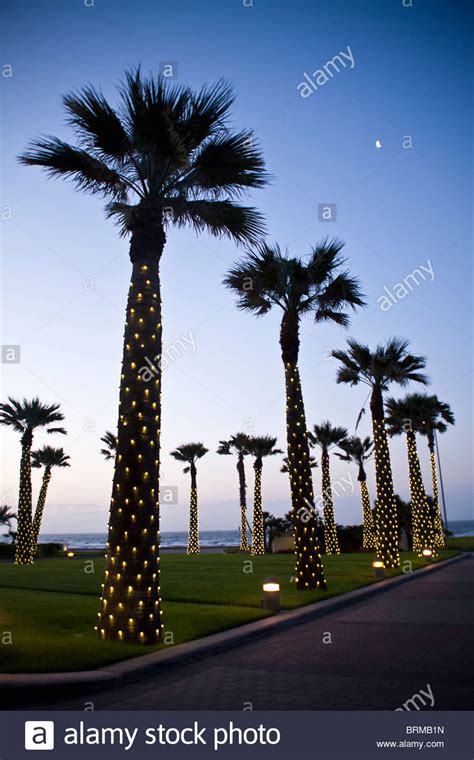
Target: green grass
<point>464,543</point>
<point>50,608</point>
<point>54,632</point>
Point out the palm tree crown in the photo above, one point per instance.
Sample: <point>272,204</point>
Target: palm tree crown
<point>24,416</point>
<point>6,515</point>
<point>357,450</point>
<point>404,415</point>
<point>48,456</point>
<point>190,453</point>
<point>326,435</point>
<point>110,441</point>
<point>237,444</point>
<point>266,277</point>
<point>379,367</point>
<point>261,446</point>
<point>165,154</point>
<point>435,415</point>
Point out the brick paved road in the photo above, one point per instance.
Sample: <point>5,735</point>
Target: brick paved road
<point>383,651</point>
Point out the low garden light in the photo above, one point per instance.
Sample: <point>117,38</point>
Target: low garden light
<point>427,553</point>
<point>379,569</point>
<point>271,594</point>
<point>70,554</point>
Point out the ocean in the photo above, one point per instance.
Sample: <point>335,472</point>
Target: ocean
<point>208,538</point>
<point>169,539</point>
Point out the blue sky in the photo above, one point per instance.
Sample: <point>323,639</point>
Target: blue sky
<point>66,272</point>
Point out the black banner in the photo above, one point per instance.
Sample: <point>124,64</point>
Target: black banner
<point>325,735</point>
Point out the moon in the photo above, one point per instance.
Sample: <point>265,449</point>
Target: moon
<point>378,144</point>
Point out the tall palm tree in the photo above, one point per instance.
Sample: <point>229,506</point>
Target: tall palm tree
<point>110,441</point>
<point>326,436</point>
<point>260,446</point>
<point>239,444</point>
<point>47,457</point>
<point>318,285</point>
<point>404,416</point>
<point>378,368</point>
<point>165,156</point>
<point>359,450</point>
<point>6,515</point>
<point>435,417</point>
<point>190,453</point>
<point>25,417</point>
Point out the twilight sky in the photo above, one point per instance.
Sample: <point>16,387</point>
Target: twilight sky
<point>402,207</point>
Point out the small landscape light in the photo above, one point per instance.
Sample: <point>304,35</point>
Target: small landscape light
<point>70,554</point>
<point>379,569</point>
<point>427,553</point>
<point>271,594</point>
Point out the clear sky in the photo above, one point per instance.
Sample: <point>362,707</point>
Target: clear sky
<point>66,272</point>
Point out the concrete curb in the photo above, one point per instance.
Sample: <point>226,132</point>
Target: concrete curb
<point>47,685</point>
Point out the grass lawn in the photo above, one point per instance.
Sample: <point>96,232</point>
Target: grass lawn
<point>50,608</point>
<point>462,543</point>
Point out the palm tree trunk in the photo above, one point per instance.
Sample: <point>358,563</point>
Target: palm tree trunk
<point>244,546</point>
<point>422,526</point>
<point>368,530</point>
<point>193,535</point>
<point>258,527</point>
<point>309,566</point>
<point>330,533</point>
<point>23,553</point>
<point>130,608</point>
<point>40,509</point>
<point>386,508</point>
<point>438,523</point>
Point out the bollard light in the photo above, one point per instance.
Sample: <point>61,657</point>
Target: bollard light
<point>271,594</point>
<point>70,554</point>
<point>427,553</point>
<point>379,569</point>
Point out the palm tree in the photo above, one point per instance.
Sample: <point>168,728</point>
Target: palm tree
<point>25,417</point>
<point>166,156</point>
<point>239,444</point>
<point>6,515</point>
<point>389,363</point>
<point>47,457</point>
<point>260,446</point>
<point>326,436</point>
<point>110,441</point>
<point>435,416</point>
<point>266,278</point>
<point>404,416</point>
<point>190,453</point>
<point>359,450</point>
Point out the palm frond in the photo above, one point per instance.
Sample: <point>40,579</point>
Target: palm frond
<point>226,165</point>
<point>47,456</point>
<point>97,124</point>
<point>221,218</point>
<point>88,173</point>
<point>326,435</point>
